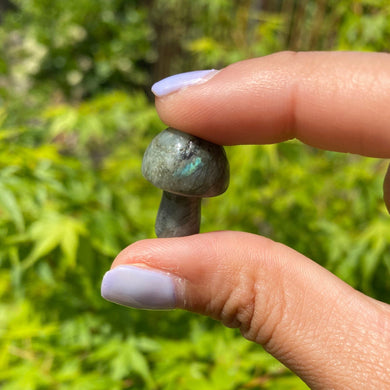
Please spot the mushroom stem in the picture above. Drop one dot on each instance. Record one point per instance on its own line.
(178, 215)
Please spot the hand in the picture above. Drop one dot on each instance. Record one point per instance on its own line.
(329, 334)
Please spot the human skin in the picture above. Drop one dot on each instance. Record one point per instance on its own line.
(329, 334)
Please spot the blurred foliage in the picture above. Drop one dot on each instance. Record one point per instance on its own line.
(75, 117)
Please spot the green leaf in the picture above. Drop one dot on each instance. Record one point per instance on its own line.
(51, 231)
(140, 365)
(9, 203)
(71, 230)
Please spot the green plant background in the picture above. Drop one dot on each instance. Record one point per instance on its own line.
(76, 115)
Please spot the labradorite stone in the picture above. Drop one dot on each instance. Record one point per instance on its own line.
(183, 164)
(178, 215)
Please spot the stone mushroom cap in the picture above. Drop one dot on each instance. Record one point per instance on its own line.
(186, 165)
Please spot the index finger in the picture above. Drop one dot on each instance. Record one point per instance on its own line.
(337, 101)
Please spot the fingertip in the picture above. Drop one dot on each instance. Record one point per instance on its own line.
(325, 99)
(227, 108)
(177, 82)
(277, 297)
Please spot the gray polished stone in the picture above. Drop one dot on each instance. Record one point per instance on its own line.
(188, 167)
(178, 215)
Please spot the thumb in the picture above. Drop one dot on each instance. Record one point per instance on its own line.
(321, 328)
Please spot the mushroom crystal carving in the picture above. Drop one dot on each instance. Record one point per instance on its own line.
(187, 169)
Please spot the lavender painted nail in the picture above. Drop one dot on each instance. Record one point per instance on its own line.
(138, 288)
(181, 80)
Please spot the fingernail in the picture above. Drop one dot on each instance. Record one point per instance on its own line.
(181, 80)
(138, 288)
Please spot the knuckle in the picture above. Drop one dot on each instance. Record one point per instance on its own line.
(257, 304)
(266, 318)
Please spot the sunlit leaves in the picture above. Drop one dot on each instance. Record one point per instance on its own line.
(52, 231)
(218, 360)
(365, 26)
(79, 45)
(9, 205)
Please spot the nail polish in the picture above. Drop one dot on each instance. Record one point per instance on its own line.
(181, 80)
(139, 288)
